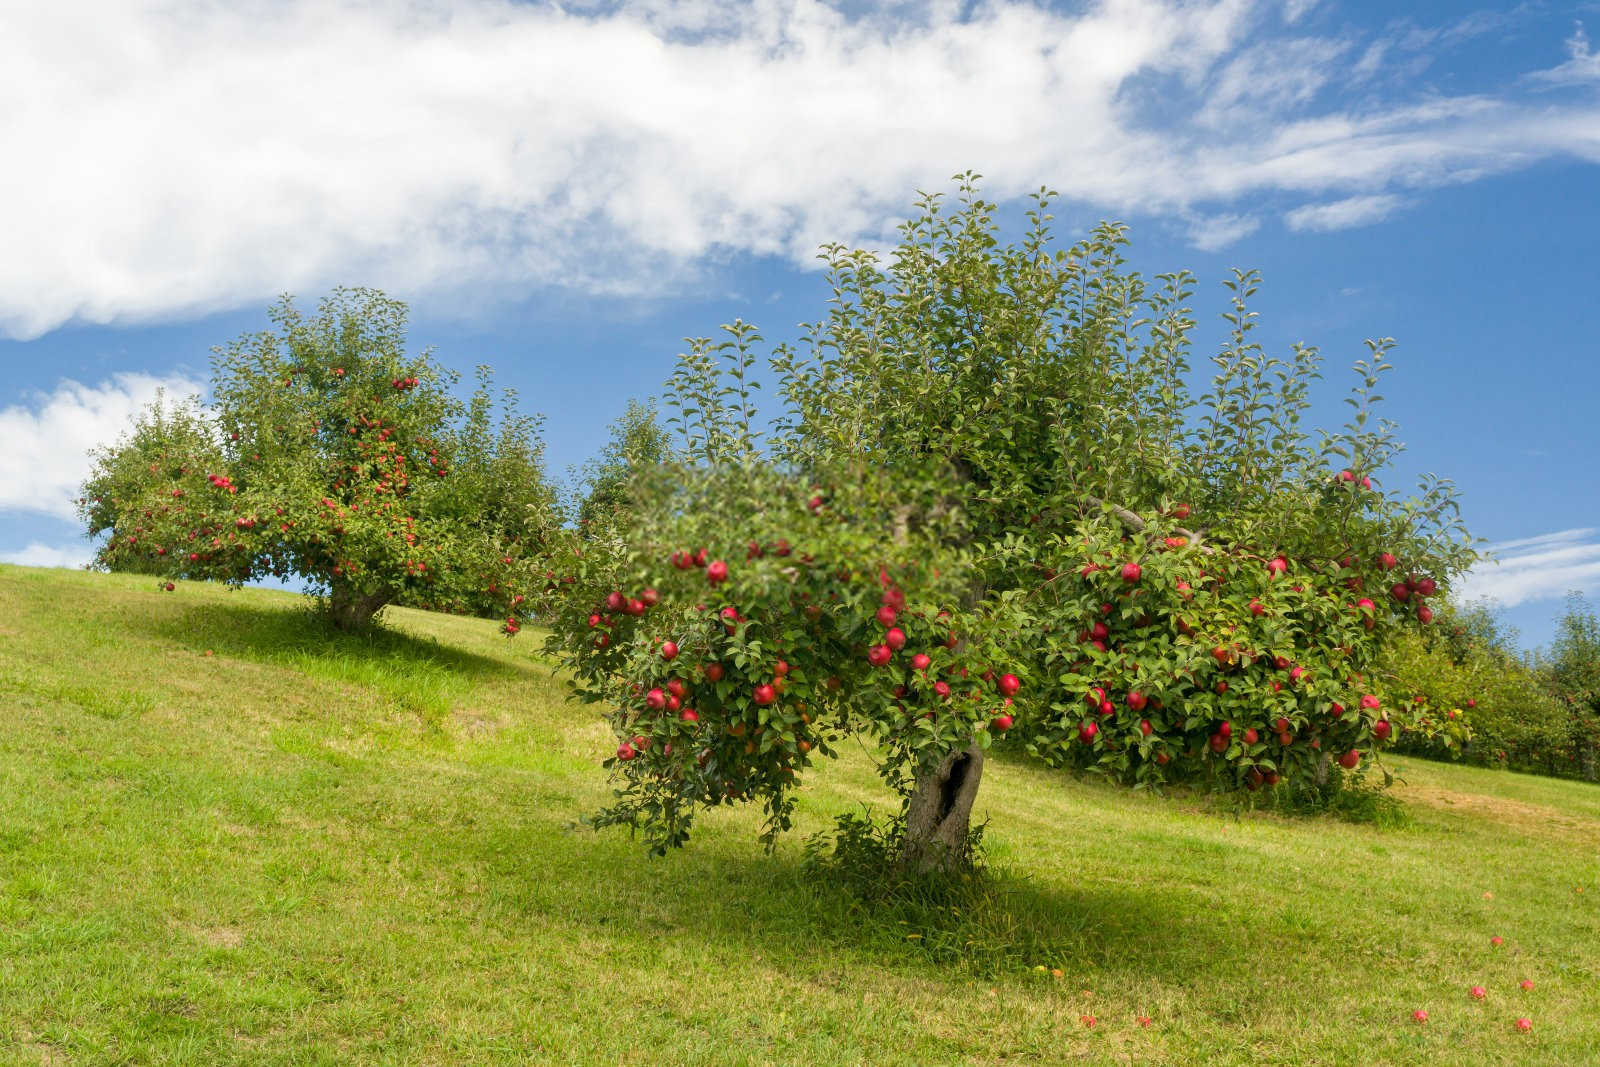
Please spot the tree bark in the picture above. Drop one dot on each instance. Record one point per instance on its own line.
(1320, 776)
(939, 813)
(350, 609)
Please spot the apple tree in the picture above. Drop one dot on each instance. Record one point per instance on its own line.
(993, 510)
(331, 454)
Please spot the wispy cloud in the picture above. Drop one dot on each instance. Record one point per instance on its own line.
(1217, 232)
(45, 441)
(1546, 567)
(38, 554)
(1343, 214)
(1582, 65)
(173, 157)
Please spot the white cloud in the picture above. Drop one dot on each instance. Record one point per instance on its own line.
(45, 441)
(1343, 214)
(1546, 567)
(1582, 65)
(1214, 233)
(175, 157)
(38, 554)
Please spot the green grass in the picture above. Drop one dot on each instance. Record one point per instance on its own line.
(307, 850)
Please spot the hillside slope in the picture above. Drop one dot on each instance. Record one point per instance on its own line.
(226, 837)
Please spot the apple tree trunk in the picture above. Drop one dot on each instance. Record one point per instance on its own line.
(939, 813)
(352, 609)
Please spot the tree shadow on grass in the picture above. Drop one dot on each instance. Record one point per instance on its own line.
(296, 636)
(726, 892)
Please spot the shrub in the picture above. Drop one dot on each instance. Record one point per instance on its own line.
(1488, 704)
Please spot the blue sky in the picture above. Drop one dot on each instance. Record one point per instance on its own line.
(567, 193)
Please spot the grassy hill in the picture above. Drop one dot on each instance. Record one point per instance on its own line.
(226, 838)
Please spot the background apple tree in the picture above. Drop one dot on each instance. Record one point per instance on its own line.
(331, 454)
(995, 508)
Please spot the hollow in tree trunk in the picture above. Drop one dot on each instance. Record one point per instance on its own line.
(353, 609)
(939, 814)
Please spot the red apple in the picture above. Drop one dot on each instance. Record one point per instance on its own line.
(764, 695)
(669, 650)
(1008, 685)
(656, 699)
(920, 662)
(615, 602)
(1381, 729)
(1136, 700)
(1002, 723)
(1350, 759)
(1145, 727)
(716, 572)
(1250, 736)
(1369, 702)
(676, 687)
(1277, 565)
(895, 638)
(887, 615)
(714, 672)
(689, 715)
(880, 655)
(1131, 572)
(1088, 732)
(625, 751)
(1387, 561)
